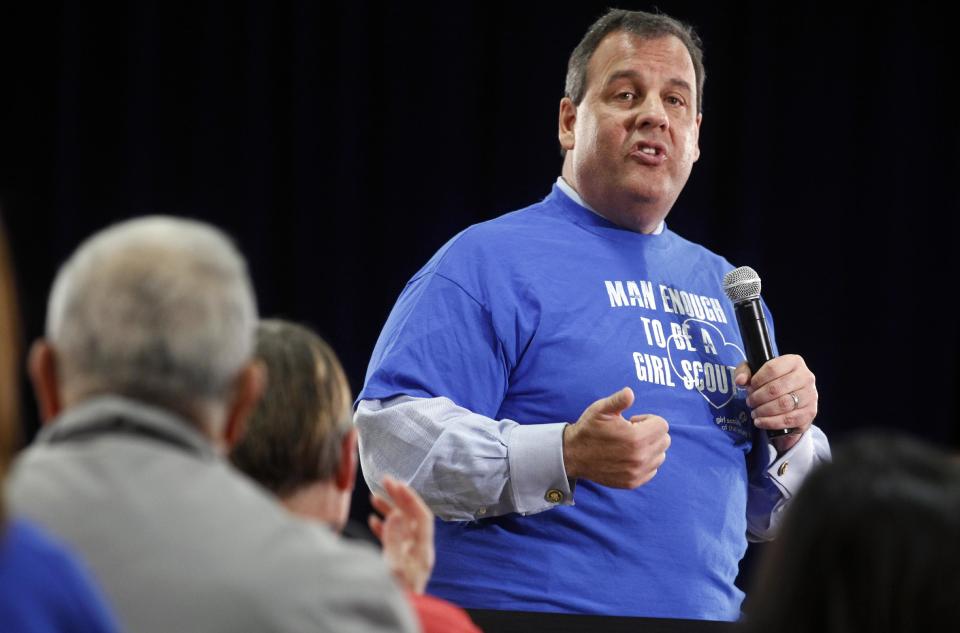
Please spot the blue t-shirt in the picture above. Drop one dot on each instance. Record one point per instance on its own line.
(532, 317)
(44, 588)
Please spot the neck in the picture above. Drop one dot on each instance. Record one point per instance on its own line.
(320, 501)
(637, 215)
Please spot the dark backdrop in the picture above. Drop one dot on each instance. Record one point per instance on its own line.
(341, 143)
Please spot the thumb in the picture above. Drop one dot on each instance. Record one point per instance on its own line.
(742, 374)
(615, 403)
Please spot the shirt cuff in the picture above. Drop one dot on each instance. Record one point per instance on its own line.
(789, 470)
(538, 479)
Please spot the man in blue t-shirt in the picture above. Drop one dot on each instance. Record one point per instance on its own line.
(483, 389)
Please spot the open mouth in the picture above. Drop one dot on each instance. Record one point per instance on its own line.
(649, 153)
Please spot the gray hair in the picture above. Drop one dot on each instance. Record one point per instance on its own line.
(157, 308)
(645, 26)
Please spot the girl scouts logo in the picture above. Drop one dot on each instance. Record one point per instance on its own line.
(702, 359)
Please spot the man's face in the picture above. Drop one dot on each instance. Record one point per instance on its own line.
(633, 139)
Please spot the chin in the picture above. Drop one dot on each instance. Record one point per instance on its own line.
(647, 197)
(646, 185)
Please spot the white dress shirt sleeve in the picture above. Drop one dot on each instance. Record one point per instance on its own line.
(466, 466)
(774, 480)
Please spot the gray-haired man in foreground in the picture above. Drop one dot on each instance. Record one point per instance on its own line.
(144, 380)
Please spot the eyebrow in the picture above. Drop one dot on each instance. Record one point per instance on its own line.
(632, 74)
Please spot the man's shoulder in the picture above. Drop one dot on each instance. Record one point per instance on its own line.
(532, 218)
(155, 497)
(511, 236)
(299, 575)
(702, 253)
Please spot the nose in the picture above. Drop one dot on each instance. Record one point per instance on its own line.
(652, 114)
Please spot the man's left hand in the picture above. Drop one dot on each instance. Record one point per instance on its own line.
(782, 395)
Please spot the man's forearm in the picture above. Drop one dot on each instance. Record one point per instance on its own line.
(465, 466)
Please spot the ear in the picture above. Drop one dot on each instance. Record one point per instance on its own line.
(248, 388)
(346, 474)
(42, 367)
(568, 118)
(696, 138)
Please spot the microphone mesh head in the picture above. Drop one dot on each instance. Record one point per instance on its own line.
(742, 284)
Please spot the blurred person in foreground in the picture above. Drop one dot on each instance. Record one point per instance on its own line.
(871, 544)
(300, 445)
(534, 373)
(144, 381)
(44, 588)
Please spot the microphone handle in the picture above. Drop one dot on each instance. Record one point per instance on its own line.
(756, 342)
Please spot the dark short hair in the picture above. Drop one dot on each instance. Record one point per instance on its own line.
(294, 435)
(870, 543)
(642, 24)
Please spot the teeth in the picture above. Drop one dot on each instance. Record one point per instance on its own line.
(649, 150)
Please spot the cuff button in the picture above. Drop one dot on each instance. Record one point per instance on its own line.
(783, 468)
(554, 496)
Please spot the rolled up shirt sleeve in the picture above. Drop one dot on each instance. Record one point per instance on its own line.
(466, 466)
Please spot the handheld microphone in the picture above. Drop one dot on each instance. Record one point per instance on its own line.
(742, 287)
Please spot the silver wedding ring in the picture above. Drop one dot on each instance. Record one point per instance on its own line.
(796, 400)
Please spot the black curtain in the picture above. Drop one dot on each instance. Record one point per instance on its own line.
(341, 143)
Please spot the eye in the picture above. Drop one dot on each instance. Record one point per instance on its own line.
(626, 96)
(675, 101)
